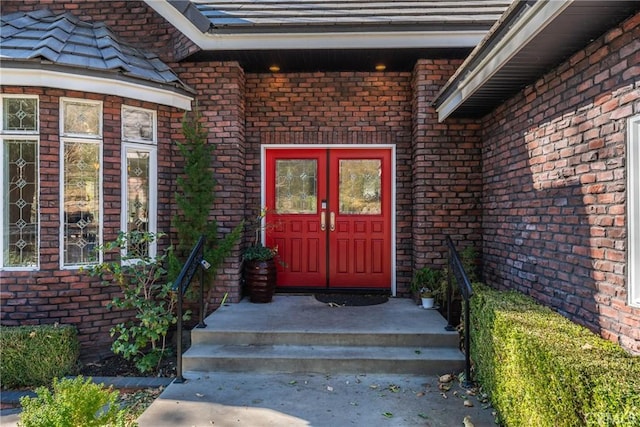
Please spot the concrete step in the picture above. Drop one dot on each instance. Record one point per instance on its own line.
(432, 338)
(322, 359)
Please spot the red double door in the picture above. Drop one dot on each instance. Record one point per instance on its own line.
(329, 214)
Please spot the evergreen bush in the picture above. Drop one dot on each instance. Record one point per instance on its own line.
(73, 402)
(195, 200)
(541, 369)
(35, 355)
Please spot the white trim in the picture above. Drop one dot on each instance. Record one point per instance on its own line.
(633, 210)
(323, 40)
(84, 83)
(532, 22)
(391, 147)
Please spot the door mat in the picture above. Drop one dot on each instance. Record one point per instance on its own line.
(351, 300)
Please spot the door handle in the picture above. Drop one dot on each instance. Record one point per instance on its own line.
(332, 217)
(323, 221)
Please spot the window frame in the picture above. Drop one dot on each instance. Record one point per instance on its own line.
(66, 138)
(151, 147)
(19, 135)
(633, 211)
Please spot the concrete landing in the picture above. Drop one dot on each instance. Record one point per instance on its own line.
(301, 334)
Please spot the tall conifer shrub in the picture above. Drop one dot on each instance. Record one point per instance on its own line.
(195, 200)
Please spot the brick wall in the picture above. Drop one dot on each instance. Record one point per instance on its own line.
(447, 176)
(332, 108)
(554, 186)
(133, 21)
(52, 295)
(220, 99)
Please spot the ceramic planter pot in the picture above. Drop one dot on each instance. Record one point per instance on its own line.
(260, 279)
(427, 302)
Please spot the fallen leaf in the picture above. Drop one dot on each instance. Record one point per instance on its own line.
(468, 403)
(467, 421)
(293, 382)
(446, 378)
(444, 396)
(329, 388)
(388, 414)
(444, 387)
(421, 415)
(420, 393)
(199, 394)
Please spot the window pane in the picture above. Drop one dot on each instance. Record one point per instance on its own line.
(137, 124)
(81, 118)
(360, 187)
(137, 199)
(296, 186)
(21, 204)
(81, 201)
(20, 114)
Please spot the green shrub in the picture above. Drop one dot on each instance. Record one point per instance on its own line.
(35, 355)
(74, 402)
(143, 282)
(541, 369)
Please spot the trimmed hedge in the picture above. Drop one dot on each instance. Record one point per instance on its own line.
(541, 369)
(35, 355)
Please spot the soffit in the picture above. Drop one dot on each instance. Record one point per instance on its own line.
(578, 24)
(323, 35)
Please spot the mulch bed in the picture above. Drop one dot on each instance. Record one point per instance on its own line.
(117, 366)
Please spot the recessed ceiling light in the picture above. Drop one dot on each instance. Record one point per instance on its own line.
(381, 67)
(274, 68)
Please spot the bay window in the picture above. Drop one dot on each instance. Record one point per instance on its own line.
(81, 183)
(139, 177)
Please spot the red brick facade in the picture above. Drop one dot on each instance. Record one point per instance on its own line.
(53, 295)
(539, 184)
(554, 182)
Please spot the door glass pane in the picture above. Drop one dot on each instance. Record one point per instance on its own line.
(81, 201)
(21, 204)
(296, 186)
(137, 199)
(360, 186)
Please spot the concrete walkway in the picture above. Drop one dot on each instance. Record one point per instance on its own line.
(232, 399)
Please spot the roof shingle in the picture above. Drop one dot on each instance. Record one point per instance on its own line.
(66, 40)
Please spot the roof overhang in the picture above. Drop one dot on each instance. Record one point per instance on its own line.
(529, 40)
(25, 73)
(188, 21)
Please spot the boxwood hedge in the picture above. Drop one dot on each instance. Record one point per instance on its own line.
(541, 369)
(35, 355)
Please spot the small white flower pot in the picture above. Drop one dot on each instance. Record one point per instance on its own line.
(427, 302)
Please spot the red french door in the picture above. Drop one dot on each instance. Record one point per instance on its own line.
(329, 214)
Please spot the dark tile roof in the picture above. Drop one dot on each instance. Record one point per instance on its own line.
(65, 40)
(349, 15)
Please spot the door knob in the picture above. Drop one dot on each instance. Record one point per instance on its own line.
(323, 222)
(332, 217)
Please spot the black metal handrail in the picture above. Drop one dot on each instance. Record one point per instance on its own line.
(181, 285)
(457, 270)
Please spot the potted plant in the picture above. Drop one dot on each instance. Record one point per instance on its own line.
(260, 270)
(427, 283)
